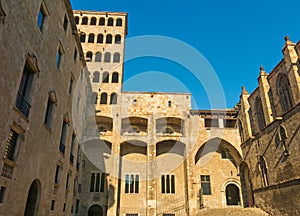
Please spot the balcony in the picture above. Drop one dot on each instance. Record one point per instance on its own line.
(23, 105)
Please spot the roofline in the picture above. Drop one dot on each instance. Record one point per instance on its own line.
(157, 93)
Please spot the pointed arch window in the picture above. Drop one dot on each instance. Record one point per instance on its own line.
(264, 171)
(284, 92)
(259, 113)
(115, 77)
(116, 57)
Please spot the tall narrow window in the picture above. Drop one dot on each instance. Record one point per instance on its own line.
(89, 56)
(2, 193)
(109, 39)
(59, 55)
(259, 113)
(11, 144)
(82, 37)
(52, 205)
(205, 184)
(115, 77)
(107, 57)
(63, 137)
(131, 183)
(105, 77)
(73, 141)
(102, 183)
(41, 18)
(75, 54)
(284, 92)
(168, 184)
(102, 21)
(91, 38)
(119, 22)
(66, 22)
(24, 91)
(77, 20)
(103, 99)
(93, 21)
(49, 112)
(57, 174)
(71, 86)
(98, 57)
(84, 21)
(68, 181)
(96, 76)
(97, 183)
(110, 22)
(100, 38)
(77, 206)
(113, 98)
(118, 39)
(116, 57)
(92, 184)
(264, 171)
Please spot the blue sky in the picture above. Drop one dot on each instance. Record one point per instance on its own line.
(235, 36)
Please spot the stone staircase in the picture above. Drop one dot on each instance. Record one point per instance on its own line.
(236, 211)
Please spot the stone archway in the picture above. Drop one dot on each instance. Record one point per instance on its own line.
(32, 199)
(95, 210)
(232, 195)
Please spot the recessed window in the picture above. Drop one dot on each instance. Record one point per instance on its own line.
(77, 206)
(77, 20)
(102, 21)
(89, 56)
(93, 21)
(134, 102)
(58, 58)
(82, 37)
(63, 137)
(105, 77)
(119, 22)
(41, 17)
(100, 38)
(91, 38)
(97, 183)
(71, 86)
(24, 91)
(57, 174)
(66, 22)
(73, 142)
(68, 181)
(109, 39)
(75, 54)
(96, 76)
(205, 184)
(116, 58)
(2, 193)
(115, 77)
(11, 145)
(64, 209)
(98, 57)
(52, 205)
(118, 39)
(107, 57)
(259, 113)
(113, 98)
(110, 22)
(132, 183)
(49, 112)
(168, 184)
(84, 21)
(284, 92)
(169, 103)
(103, 99)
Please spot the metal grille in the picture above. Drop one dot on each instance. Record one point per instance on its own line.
(11, 145)
(7, 170)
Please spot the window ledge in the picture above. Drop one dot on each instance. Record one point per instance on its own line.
(49, 129)
(9, 162)
(20, 114)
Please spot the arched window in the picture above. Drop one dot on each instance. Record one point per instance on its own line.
(107, 57)
(77, 20)
(89, 56)
(264, 170)
(84, 21)
(119, 22)
(93, 21)
(116, 58)
(91, 38)
(100, 38)
(102, 21)
(115, 77)
(98, 57)
(109, 39)
(284, 92)
(113, 98)
(259, 113)
(105, 77)
(82, 37)
(103, 99)
(96, 76)
(110, 22)
(118, 39)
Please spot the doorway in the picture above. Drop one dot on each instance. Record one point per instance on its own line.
(232, 195)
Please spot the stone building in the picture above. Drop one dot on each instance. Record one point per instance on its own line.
(269, 128)
(41, 61)
(149, 153)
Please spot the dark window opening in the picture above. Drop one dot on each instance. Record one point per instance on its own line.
(11, 144)
(109, 39)
(103, 99)
(84, 21)
(115, 77)
(102, 21)
(168, 184)
(110, 22)
(91, 38)
(105, 77)
(66, 22)
(113, 98)
(100, 38)
(119, 22)
(93, 21)
(205, 184)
